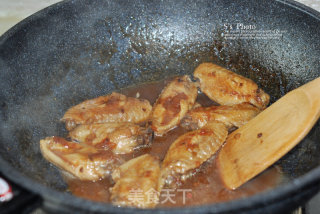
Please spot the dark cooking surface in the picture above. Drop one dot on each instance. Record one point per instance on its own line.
(82, 49)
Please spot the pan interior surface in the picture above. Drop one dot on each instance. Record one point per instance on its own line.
(77, 50)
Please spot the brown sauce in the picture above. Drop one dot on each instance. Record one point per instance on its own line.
(204, 187)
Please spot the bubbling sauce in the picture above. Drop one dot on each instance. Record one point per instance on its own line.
(205, 187)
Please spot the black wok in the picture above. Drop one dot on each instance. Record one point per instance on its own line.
(76, 50)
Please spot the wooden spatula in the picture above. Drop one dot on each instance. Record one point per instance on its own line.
(270, 135)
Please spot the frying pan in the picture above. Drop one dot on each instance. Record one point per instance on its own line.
(81, 49)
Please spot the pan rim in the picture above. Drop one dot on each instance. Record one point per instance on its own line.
(48, 193)
(64, 198)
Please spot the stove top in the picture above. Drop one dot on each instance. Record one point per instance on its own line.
(24, 201)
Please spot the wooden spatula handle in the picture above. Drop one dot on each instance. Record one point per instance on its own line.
(312, 90)
(270, 135)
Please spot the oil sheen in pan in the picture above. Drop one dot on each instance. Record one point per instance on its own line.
(204, 187)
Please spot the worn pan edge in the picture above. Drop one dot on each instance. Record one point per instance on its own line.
(294, 186)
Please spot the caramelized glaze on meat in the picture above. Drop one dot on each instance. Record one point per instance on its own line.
(189, 151)
(232, 116)
(121, 138)
(111, 108)
(206, 185)
(176, 99)
(136, 183)
(81, 160)
(228, 88)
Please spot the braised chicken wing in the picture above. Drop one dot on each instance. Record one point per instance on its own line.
(83, 161)
(176, 99)
(111, 108)
(228, 88)
(136, 183)
(232, 116)
(189, 151)
(121, 138)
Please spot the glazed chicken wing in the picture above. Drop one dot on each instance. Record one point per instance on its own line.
(81, 160)
(189, 151)
(228, 88)
(136, 183)
(111, 108)
(176, 99)
(232, 116)
(121, 138)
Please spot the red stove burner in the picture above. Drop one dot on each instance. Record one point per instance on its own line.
(5, 191)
